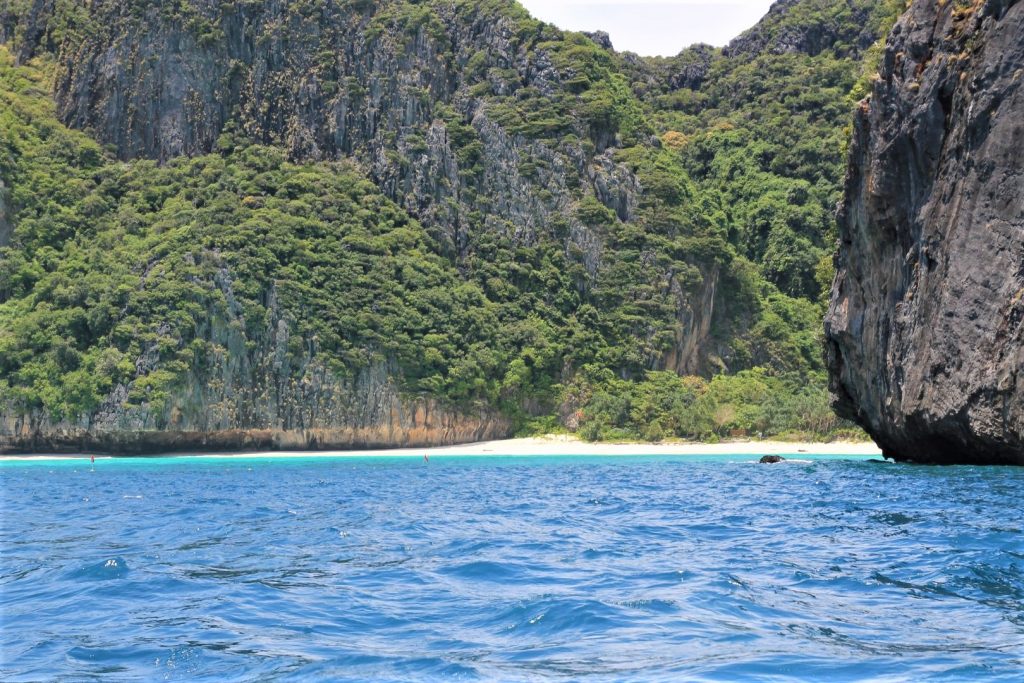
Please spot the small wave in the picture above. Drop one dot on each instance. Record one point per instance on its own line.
(627, 571)
(666, 578)
(108, 570)
(599, 553)
(486, 571)
(655, 605)
(550, 616)
(364, 666)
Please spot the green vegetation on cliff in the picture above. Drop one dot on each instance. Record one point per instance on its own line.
(542, 229)
(112, 260)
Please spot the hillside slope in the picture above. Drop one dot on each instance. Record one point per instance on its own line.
(322, 224)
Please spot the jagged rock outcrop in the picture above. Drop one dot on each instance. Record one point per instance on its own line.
(366, 415)
(252, 394)
(691, 67)
(778, 33)
(601, 38)
(926, 327)
(338, 80)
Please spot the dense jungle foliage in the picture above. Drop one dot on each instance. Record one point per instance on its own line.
(739, 154)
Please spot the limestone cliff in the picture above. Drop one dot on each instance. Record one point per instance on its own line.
(407, 222)
(249, 391)
(375, 81)
(926, 326)
(778, 33)
(409, 92)
(370, 414)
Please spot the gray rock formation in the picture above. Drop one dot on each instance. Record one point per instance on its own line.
(690, 68)
(778, 32)
(601, 38)
(243, 399)
(349, 420)
(338, 81)
(926, 327)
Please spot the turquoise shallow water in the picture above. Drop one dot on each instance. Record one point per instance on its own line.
(541, 569)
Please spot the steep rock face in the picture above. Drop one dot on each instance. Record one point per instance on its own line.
(410, 95)
(334, 81)
(691, 67)
(926, 326)
(777, 35)
(330, 416)
(423, 96)
(413, 97)
(245, 396)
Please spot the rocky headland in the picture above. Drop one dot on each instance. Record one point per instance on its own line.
(925, 332)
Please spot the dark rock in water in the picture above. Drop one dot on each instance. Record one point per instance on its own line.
(772, 459)
(926, 326)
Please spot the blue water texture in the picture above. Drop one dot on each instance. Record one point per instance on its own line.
(510, 569)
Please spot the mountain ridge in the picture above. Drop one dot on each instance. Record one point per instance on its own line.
(566, 200)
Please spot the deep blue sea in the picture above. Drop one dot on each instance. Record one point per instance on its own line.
(540, 569)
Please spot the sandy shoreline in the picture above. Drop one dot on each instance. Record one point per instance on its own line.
(552, 445)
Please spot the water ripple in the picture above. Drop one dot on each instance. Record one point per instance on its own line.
(510, 569)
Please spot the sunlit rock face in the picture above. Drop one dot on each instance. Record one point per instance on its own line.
(925, 333)
(246, 411)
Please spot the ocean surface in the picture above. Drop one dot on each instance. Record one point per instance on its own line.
(540, 569)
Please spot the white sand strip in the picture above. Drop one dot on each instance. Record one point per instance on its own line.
(559, 446)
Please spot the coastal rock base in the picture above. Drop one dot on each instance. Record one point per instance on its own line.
(442, 430)
(157, 442)
(244, 414)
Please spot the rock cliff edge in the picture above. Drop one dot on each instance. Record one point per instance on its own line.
(925, 333)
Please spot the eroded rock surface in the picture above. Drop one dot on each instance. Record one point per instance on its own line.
(241, 398)
(926, 326)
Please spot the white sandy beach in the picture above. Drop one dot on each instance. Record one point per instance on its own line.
(563, 446)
